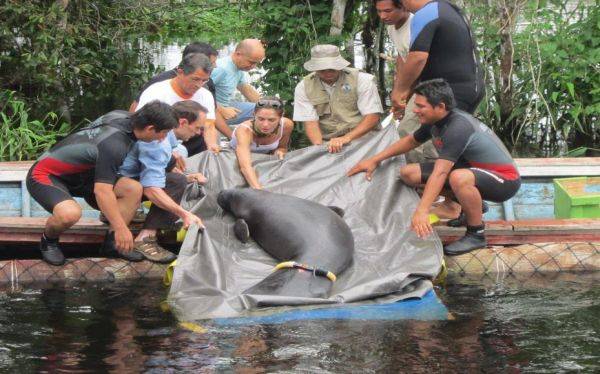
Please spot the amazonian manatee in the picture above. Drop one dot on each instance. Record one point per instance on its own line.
(292, 229)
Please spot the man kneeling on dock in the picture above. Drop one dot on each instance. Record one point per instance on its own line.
(473, 163)
(163, 182)
(85, 164)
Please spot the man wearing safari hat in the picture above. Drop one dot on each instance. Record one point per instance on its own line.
(337, 103)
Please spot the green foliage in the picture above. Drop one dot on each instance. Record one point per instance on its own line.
(77, 60)
(22, 137)
(553, 95)
(91, 57)
(219, 22)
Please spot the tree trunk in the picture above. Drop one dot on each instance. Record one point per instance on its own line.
(368, 37)
(337, 17)
(508, 11)
(63, 105)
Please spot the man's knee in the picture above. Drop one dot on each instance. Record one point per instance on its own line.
(461, 178)
(130, 188)
(67, 213)
(411, 174)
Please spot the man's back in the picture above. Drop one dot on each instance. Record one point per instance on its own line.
(93, 153)
(440, 30)
(226, 77)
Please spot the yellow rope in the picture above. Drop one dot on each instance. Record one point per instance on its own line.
(294, 265)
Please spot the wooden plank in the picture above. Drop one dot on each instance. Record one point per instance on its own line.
(37, 223)
(559, 167)
(67, 237)
(14, 171)
(583, 224)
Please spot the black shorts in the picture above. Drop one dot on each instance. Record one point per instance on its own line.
(491, 186)
(49, 190)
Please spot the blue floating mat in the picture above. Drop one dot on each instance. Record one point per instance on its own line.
(428, 308)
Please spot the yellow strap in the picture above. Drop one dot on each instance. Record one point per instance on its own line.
(293, 264)
(284, 265)
(168, 277)
(194, 327)
(331, 276)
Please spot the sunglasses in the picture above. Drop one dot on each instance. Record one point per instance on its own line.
(276, 104)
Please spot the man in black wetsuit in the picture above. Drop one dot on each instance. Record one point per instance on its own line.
(473, 163)
(85, 164)
(441, 46)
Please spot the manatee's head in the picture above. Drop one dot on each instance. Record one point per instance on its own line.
(236, 200)
(225, 198)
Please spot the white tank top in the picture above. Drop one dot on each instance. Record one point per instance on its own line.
(258, 148)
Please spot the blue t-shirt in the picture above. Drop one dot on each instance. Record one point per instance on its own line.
(226, 77)
(148, 161)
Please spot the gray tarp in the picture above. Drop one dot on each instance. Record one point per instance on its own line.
(214, 267)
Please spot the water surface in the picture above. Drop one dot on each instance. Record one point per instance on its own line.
(531, 324)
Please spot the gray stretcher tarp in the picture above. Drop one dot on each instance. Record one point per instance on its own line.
(390, 263)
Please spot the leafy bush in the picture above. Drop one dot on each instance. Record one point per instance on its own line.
(546, 96)
(22, 137)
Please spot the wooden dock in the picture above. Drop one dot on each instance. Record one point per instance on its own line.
(25, 230)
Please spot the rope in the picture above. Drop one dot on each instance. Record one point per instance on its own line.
(316, 271)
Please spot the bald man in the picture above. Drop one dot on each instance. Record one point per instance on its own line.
(231, 74)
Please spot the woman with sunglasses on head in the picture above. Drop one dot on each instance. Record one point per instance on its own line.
(269, 133)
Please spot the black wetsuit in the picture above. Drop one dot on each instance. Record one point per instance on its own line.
(91, 155)
(196, 143)
(461, 138)
(440, 30)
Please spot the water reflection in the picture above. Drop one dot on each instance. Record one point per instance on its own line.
(530, 323)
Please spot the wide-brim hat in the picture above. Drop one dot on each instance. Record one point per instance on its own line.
(325, 56)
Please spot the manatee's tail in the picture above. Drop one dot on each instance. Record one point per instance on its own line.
(293, 283)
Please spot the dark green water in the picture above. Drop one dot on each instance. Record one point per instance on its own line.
(531, 324)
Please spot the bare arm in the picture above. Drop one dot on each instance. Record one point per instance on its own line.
(400, 147)
(159, 197)
(369, 165)
(107, 202)
(133, 106)
(243, 153)
(288, 127)
(420, 221)
(249, 92)
(313, 132)
(406, 76)
(211, 137)
(221, 125)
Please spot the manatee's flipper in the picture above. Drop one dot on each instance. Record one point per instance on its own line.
(339, 211)
(241, 230)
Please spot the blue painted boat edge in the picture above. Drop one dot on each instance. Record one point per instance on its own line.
(428, 308)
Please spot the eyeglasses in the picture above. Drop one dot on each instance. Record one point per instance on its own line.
(264, 103)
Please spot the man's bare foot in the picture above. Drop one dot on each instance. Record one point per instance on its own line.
(446, 209)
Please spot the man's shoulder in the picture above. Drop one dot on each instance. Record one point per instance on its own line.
(165, 75)
(365, 76)
(427, 13)
(160, 84)
(460, 120)
(226, 65)
(203, 96)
